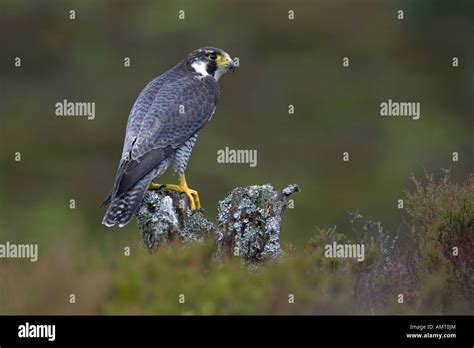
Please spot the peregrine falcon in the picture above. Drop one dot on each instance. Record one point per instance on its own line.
(162, 129)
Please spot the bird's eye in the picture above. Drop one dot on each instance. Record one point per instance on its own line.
(212, 56)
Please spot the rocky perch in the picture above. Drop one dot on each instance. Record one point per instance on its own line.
(248, 221)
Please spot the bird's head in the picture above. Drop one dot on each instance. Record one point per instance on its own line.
(210, 61)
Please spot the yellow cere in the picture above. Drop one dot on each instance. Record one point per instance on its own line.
(221, 61)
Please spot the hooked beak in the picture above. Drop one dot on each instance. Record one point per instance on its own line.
(231, 65)
(228, 63)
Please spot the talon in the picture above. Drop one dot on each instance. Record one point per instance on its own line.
(191, 200)
(197, 200)
(193, 196)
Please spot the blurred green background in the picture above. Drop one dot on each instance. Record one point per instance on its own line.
(282, 62)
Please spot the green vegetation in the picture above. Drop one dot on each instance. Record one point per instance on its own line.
(442, 214)
(422, 267)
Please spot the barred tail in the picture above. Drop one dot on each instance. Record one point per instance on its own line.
(123, 207)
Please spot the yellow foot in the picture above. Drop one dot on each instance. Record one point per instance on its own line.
(193, 195)
(154, 186)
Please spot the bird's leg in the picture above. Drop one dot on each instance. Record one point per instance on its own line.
(183, 187)
(192, 194)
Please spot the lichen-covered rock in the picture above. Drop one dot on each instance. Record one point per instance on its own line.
(249, 222)
(163, 216)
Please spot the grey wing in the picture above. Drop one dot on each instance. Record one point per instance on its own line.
(179, 111)
(139, 111)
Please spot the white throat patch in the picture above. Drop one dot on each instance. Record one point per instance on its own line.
(219, 73)
(200, 67)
